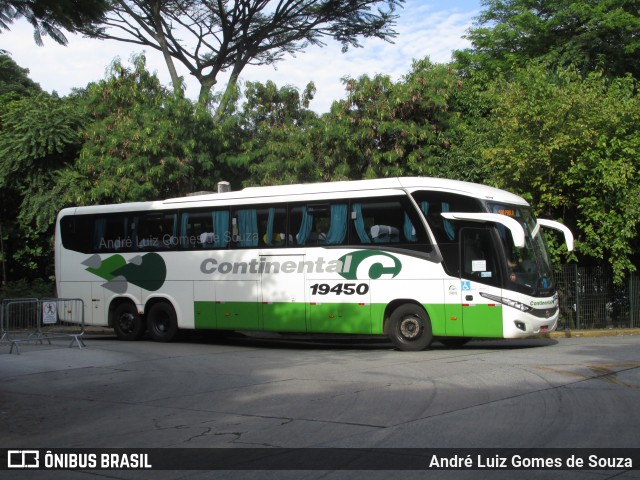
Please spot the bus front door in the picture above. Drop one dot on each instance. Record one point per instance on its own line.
(479, 274)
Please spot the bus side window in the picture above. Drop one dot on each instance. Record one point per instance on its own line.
(221, 233)
(390, 220)
(319, 224)
(359, 223)
(338, 225)
(272, 227)
(111, 233)
(196, 230)
(244, 228)
(301, 219)
(76, 232)
(433, 204)
(203, 229)
(155, 231)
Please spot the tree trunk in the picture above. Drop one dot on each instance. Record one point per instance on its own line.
(162, 41)
(206, 85)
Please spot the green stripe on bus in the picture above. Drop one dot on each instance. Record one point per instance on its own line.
(363, 319)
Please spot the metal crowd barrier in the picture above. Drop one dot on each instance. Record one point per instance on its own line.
(32, 320)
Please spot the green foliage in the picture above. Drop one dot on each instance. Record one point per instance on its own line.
(22, 288)
(588, 34)
(142, 142)
(388, 129)
(276, 128)
(382, 129)
(38, 135)
(571, 146)
(14, 80)
(48, 16)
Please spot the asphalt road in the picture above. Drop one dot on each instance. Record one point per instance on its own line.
(247, 392)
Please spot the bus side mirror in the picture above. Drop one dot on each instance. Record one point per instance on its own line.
(568, 236)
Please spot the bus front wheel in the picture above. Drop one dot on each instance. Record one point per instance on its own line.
(127, 322)
(162, 322)
(409, 328)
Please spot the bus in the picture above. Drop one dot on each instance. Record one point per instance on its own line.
(412, 258)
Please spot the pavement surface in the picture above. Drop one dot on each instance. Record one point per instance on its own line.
(580, 391)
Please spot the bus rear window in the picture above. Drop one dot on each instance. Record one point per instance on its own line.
(75, 233)
(119, 232)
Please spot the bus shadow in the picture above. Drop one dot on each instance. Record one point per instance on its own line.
(346, 342)
(268, 340)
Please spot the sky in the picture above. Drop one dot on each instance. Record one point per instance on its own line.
(426, 28)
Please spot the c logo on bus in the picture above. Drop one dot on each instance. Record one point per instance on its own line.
(147, 271)
(372, 264)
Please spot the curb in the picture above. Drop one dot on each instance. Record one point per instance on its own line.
(607, 332)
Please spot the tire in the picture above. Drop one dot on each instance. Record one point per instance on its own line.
(409, 328)
(162, 322)
(454, 342)
(127, 322)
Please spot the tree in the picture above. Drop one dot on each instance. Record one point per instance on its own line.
(388, 129)
(209, 37)
(275, 127)
(570, 145)
(15, 84)
(48, 17)
(141, 143)
(38, 134)
(14, 80)
(588, 34)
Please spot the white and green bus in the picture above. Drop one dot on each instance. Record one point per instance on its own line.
(415, 259)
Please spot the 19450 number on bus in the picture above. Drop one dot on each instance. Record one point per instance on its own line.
(340, 289)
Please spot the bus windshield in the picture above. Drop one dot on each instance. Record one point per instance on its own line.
(529, 267)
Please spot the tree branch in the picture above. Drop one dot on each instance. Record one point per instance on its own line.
(224, 34)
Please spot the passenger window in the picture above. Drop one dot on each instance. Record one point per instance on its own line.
(386, 221)
(76, 232)
(111, 233)
(154, 231)
(272, 227)
(433, 204)
(319, 224)
(204, 229)
(196, 230)
(244, 228)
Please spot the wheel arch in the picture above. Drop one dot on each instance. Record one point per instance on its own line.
(115, 302)
(151, 301)
(391, 306)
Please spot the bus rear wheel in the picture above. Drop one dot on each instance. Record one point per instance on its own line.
(409, 328)
(162, 322)
(127, 322)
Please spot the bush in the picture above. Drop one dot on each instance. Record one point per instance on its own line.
(38, 288)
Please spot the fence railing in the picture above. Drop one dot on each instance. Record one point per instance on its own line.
(590, 300)
(31, 320)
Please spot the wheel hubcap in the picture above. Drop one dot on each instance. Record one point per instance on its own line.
(410, 328)
(162, 324)
(126, 322)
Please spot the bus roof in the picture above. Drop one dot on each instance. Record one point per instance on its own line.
(306, 191)
(409, 183)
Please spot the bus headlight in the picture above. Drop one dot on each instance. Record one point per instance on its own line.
(507, 301)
